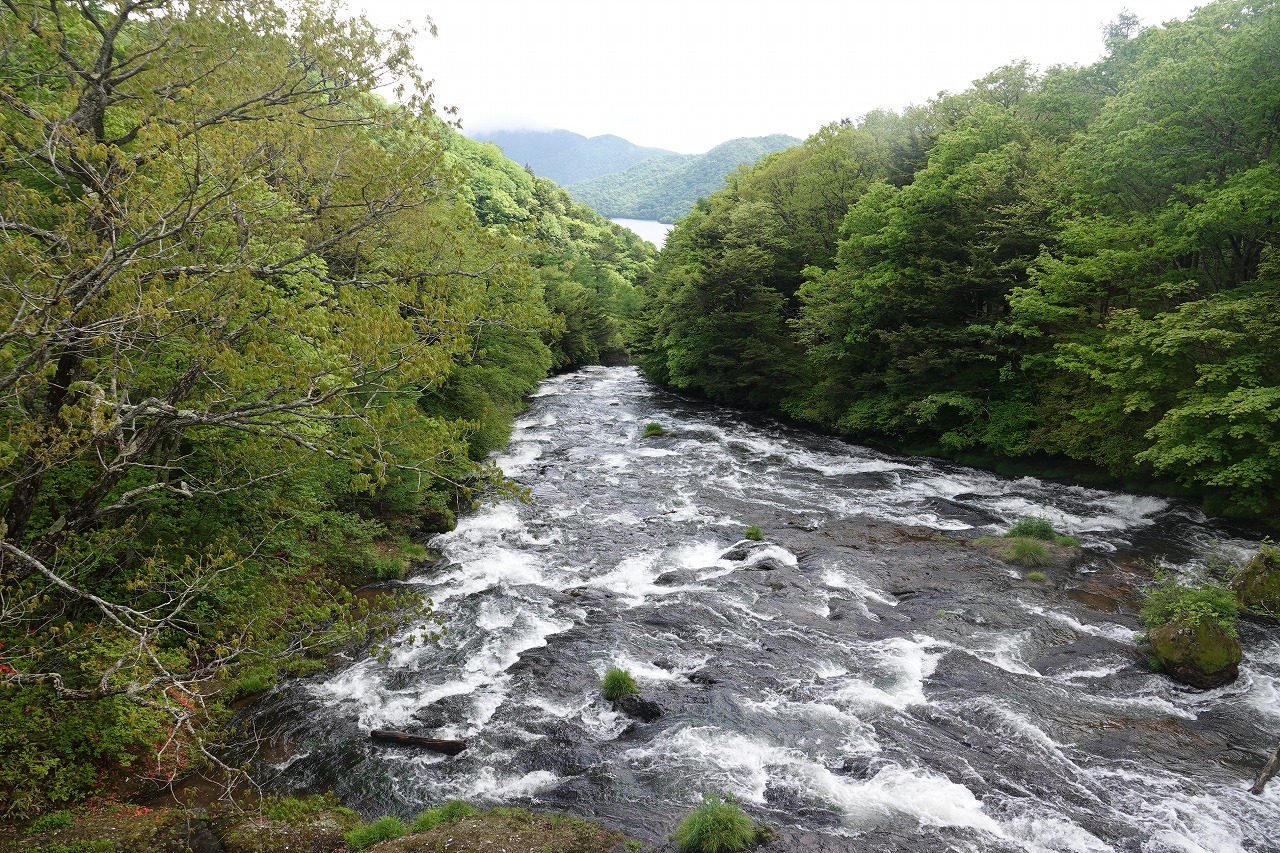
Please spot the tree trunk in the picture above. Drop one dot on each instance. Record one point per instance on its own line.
(1267, 772)
(448, 747)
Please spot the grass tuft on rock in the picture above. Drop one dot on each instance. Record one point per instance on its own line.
(451, 811)
(755, 534)
(618, 683)
(1026, 551)
(653, 429)
(717, 826)
(382, 829)
(1041, 528)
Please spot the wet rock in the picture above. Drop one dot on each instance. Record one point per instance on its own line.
(1257, 585)
(638, 707)
(1201, 655)
(1082, 653)
(446, 711)
(742, 550)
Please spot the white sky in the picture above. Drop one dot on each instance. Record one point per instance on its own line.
(690, 74)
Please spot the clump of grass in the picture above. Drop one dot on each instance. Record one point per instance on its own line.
(60, 819)
(618, 683)
(755, 534)
(1041, 528)
(716, 826)
(296, 810)
(451, 811)
(1033, 527)
(382, 829)
(653, 429)
(1026, 551)
(1038, 577)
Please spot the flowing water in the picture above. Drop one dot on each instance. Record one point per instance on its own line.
(867, 678)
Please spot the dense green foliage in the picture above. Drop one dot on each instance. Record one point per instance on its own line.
(260, 326)
(717, 826)
(1082, 264)
(567, 157)
(618, 683)
(1190, 603)
(667, 186)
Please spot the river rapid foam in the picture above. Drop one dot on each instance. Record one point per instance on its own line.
(865, 678)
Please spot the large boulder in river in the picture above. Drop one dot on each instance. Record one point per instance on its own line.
(1257, 585)
(1201, 654)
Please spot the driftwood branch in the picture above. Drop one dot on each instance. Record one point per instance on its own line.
(1267, 772)
(448, 747)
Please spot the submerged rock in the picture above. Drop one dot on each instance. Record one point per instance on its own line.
(1202, 655)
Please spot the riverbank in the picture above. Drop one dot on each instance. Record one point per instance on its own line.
(315, 825)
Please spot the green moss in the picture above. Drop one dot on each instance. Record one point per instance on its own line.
(59, 819)
(618, 683)
(1203, 646)
(1257, 584)
(1038, 577)
(653, 429)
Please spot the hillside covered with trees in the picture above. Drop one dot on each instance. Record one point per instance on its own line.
(1081, 264)
(567, 157)
(259, 324)
(667, 186)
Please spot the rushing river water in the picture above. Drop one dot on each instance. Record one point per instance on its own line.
(865, 679)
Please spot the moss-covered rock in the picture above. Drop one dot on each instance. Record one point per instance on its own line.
(1203, 655)
(509, 829)
(316, 833)
(1257, 585)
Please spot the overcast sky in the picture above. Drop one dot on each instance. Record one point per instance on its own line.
(689, 74)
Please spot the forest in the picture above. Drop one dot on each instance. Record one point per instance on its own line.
(261, 326)
(665, 187)
(1076, 270)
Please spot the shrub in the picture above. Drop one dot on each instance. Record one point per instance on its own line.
(1026, 552)
(653, 429)
(60, 819)
(448, 813)
(716, 826)
(382, 829)
(1038, 577)
(755, 534)
(618, 683)
(1190, 602)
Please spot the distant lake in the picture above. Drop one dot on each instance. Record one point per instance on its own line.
(654, 232)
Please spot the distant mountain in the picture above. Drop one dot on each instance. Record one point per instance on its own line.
(667, 186)
(566, 157)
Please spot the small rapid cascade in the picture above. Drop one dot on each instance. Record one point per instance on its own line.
(865, 676)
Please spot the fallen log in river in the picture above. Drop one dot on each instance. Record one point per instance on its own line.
(448, 747)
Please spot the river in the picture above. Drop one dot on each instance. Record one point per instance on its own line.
(865, 679)
(651, 230)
